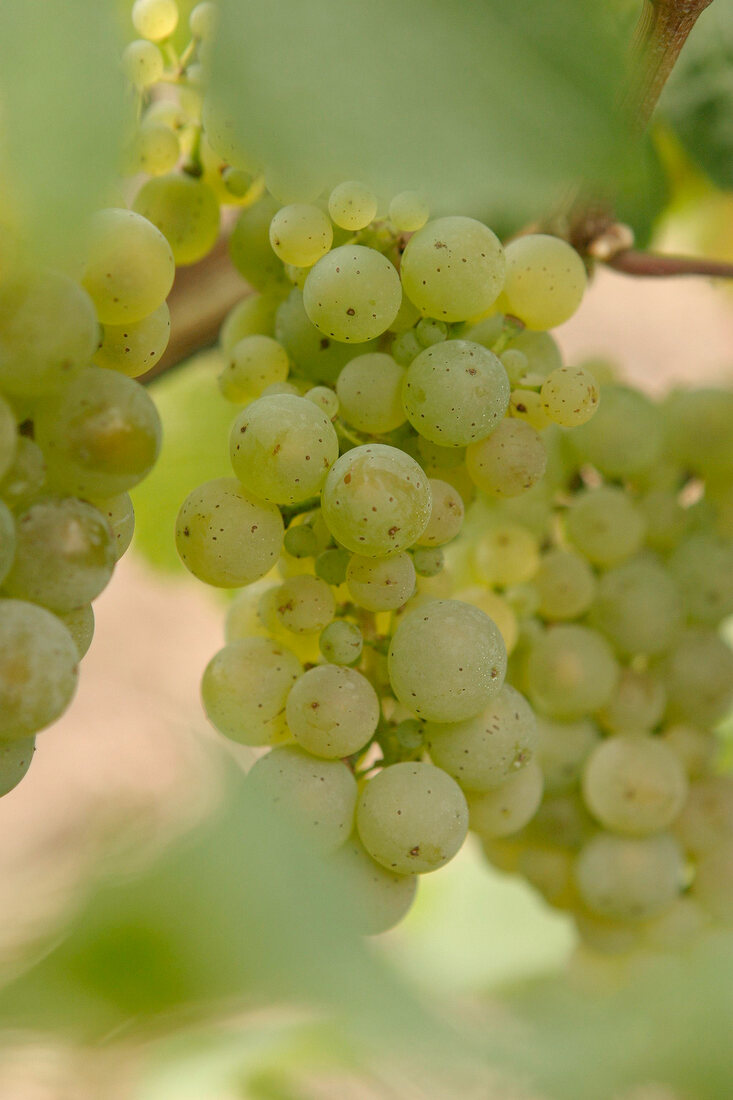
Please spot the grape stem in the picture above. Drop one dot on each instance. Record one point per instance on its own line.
(633, 262)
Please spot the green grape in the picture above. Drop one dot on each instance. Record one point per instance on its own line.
(703, 568)
(48, 332)
(429, 331)
(15, 760)
(455, 393)
(570, 396)
(380, 897)
(453, 268)
(156, 148)
(706, 819)
(352, 205)
(244, 689)
(405, 348)
(486, 332)
(26, 475)
(548, 870)
(624, 437)
(315, 355)
(481, 752)
(679, 925)
(508, 808)
(506, 554)
(332, 711)
(407, 317)
(665, 518)
(527, 405)
(570, 671)
(542, 354)
(695, 747)
(605, 525)
(318, 796)
(7, 540)
(251, 252)
(120, 515)
(226, 537)
(134, 348)
(697, 674)
(341, 642)
(563, 822)
(300, 234)
(516, 365)
(714, 882)
(301, 541)
(629, 878)
(638, 607)
(238, 183)
(697, 424)
(563, 748)
(304, 604)
(252, 316)
(565, 583)
(169, 112)
(381, 584)
(369, 390)
(9, 440)
(428, 560)
(412, 817)
(243, 618)
(376, 500)
(545, 280)
(129, 267)
(352, 294)
(142, 63)
(324, 399)
(38, 669)
(637, 703)
(80, 624)
(606, 936)
(155, 19)
(64, 554)
(100, 436)
(282, 447)
(446, 518)
(203, 20)
(408, 211)
(433, 456)
(186, 212)
(331, 565)
(447, 659)
(509, 461)
(634, 784)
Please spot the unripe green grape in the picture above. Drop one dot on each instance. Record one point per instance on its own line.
(486, 332)
(565, 583)
(605, 525)
(570, 396)
(341, 642)
(100, 435)
(225, 537)
(697, 674)
(300, 541)
(352, 205)
(282, 448)
(332, 711)
(629, 878)
(25, 476)
(510, 461)
(481, 752)
(155, 19)
(186, 212)
(80, 624)
(624, 437)
(324, 399)
(9, 439)
(300, 234)
(244, 689)
(7, 540)
(703, 568)
(64, 554)
(251, 252)
(243, 619)
(548, 870)
(428, 560)
(120, 515)
(665, 518)
(352, 294)
(407, 317)
(381, 898)
(304, 604)
(135, 347)
(542, 354)
(545, 280)
(697, 425)
(506, 554)
(562, 751)
(252, 316)
(453, 268)
(202, 21)
(706, 819)
(433, 456)
(447, 660)
(318, 796)
(169, 112)
(381, 584)
(15, 760)
(331, 565)
(405, 348)
(412, 817)
(238, 182)
(634, 784)
(508, 808)
(369, 390)
(156, 149)
(696, 748)
(254, 363)
(408, 211)
(638, 607)
(527, 405)
(563, 821)
(318, 357)
(142, 63)
(38, 669)
(429, 331)
(571, 671)
(129, 266)
(48, 333)
(446, 517)
(637, 704)
(376, 500)
(455, 393)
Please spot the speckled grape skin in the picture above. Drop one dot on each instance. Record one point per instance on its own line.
(38, 668)
(508, 808)
(453, 268)
(332, 711)
(244, 689)
(185, 210)
(509, 461)
(130, 266)
(15, 760)
(376, 500)
(352, 294)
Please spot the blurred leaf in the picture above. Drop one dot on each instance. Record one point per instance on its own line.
(61, 113)
(490, 107)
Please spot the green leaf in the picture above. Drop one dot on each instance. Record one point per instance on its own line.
(490, 107)
(61, 115)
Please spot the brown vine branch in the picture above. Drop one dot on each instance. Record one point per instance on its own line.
(633, 262)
